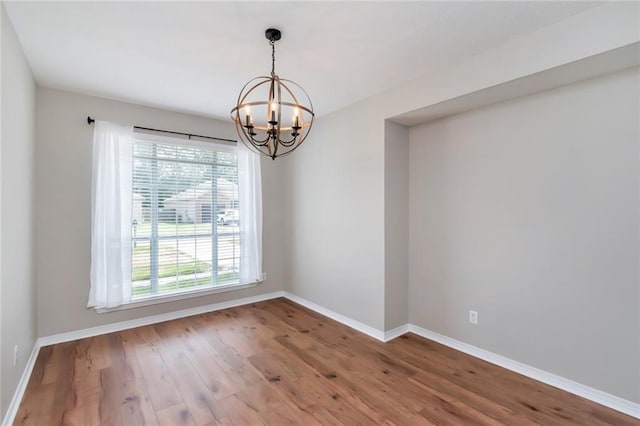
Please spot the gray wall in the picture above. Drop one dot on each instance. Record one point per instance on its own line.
(17, 281)
(396, 224)
(63, 201)
(335, 193)
(335, 214)
(527, 212)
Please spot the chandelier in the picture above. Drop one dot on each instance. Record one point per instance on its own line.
(273, 116)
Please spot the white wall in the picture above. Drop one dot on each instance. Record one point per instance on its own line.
(17, 281)
(63, 204)
(528, 212)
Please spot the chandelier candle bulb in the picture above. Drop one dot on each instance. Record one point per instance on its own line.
(295, 117)
(247, 111)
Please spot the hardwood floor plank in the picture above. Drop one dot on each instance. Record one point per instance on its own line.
(137, 408)
(485, 380)
(215, 377)
(42, 360)
(87, 391)
(240, 411)
(480, 403)
(175, 415)
(210, 372)
(273, 408)
(36, 404)
(339, 379)
(225, 355)
(279, 363)
(62, 373)
(129, 341)
(195, 393)
(160, 384)
(286, 373)
(109, 409)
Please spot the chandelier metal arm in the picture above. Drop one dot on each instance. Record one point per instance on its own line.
(262, 142)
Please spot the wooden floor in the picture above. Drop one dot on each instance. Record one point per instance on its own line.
(278, 363)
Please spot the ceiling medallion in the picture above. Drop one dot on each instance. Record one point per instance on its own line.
(273, 115)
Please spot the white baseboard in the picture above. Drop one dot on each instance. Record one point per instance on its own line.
(600, 397)
(396, 332)
(357, 325)
(154, 319)
(10, 415)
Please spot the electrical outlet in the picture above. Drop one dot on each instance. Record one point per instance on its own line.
(473, 317)
(264, 276)
(15, 355)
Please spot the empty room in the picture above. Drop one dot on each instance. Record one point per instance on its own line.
(320, 213)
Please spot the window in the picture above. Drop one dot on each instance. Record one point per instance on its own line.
(170, 216)
(177, 244)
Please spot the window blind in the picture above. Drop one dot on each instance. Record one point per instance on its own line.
(185, 217)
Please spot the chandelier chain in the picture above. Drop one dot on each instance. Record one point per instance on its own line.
(273, 57)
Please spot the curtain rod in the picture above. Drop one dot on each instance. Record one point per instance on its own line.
(190, 135)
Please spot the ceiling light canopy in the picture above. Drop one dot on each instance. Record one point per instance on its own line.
(273, 115)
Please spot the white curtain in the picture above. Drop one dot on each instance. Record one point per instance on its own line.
(111, 197)
(250, 200)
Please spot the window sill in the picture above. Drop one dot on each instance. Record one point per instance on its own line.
(172, 297)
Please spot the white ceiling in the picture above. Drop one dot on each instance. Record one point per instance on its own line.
(196, 56)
